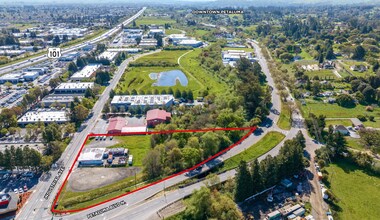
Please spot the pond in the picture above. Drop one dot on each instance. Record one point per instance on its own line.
(169, 78)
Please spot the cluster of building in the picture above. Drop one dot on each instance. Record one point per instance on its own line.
(287, 212)
(108, 55)
(27, 75)
(183, 40)
(230, 57)
(104, 157)
(137, 37)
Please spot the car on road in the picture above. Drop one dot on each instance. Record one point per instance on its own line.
(15, 191)
(20, 190)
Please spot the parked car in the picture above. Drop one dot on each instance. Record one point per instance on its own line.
(15, 191)
(20, 190)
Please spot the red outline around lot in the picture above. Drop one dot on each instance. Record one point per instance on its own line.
(251, 130)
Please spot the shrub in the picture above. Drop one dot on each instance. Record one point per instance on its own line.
(361, 118)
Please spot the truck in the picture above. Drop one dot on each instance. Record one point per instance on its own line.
(130, 160)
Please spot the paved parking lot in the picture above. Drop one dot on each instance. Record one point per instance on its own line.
(10, 182)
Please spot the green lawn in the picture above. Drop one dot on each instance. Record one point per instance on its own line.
(334, 110)
(322, 74)
(354, 143)
(357, 192)
(344, 122)
(138, 146)
(284, 122)
(172, 31)
(190, 66)
(154, 20)
(348, 63)
(373, 124)
(268, 142)
(170, 56)
(305, 55)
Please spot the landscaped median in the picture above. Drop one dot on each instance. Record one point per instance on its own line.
(269, 141)
(284, 122)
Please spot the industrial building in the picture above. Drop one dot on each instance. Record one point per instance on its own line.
(72, 88)
(43, 116)
(189, 43)
(40, 70)
(91, 157)
(63, 99)
(157, 116)
(155, 31)
(30, 76)
(128, 101)
(108, 55)
(133, 33)
(230, 57)
(116, 125)
(11, 77)
(177, 37)
(85, 73)
(69, 56)
(148, 42)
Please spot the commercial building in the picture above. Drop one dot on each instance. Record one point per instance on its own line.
(128, 101)
(11, 77)
(108, 55)
(133, 33)
(85, 73)
(88, 47)
(73, 88)
(30, 76)
(69, 56)
(177, 37)
(148, 42)
(59, 99)
(43, 116)
(12, 52)
(190, 43)
(230, 57)
(116, 125)
(91, 157)
(128, 50)
(155, 31)
(157, 116)
(40, 70)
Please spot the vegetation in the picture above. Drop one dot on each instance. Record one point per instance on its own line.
(285, 120)
(355, 190)
(264, 145)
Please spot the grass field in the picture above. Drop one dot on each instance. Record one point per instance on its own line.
(172, 31)
(335, 111)
(284, 122)
(348, 63)
(190, 66)
(170, 56)
(154, 20)
(268, 142)
(354, 143)
(138, 146)
(357, 191)
(305, 55)
(322, 74)
(344, 122)
(373, 124)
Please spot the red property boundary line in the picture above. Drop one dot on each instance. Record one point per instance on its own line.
(53, 210)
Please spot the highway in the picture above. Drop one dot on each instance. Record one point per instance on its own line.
(75, 47)
(39, 208)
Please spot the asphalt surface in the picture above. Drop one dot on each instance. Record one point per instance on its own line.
(41, 58)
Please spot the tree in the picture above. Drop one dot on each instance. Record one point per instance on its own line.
(359, 53)
(330, 54)
(55, 149)
(89, 93)
(102, 77)
(210, 143)
(177, 94)
(81, 62)
(243, 182)
(190, 95)
(52, 132)
(72, 67)
(369, 93)
(256, 177)
(46, 162)
(80, 113)
(345, 100)
(56, 41)
(152, 165)
(191, 156)
(199, 204)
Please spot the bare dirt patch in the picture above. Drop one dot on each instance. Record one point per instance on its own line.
(85, 179)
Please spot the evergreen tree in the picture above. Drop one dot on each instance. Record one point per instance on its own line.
(256, 177)
(243, 182)
(177, 94)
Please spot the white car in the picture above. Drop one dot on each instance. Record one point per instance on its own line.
(15, 191)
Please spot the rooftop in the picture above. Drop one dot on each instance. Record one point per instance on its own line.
(44, 116)
(78, 85)
(157, 114)
(86, 72)
(116, 123)
(142, 99)
(91, 154)
(108, 55)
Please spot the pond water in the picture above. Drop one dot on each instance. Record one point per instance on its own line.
(169, 78)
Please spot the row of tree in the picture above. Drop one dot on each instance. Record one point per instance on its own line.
(271, 170)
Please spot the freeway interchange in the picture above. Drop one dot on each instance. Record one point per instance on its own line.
(144, 203)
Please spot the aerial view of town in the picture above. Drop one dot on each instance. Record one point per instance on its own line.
(190, 110)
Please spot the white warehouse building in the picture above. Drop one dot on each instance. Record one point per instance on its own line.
(86, 73)
(77, 87)
(43, 116)
(142, 100)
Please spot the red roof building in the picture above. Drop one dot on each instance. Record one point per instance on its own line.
(157, 116)
(116, 125)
